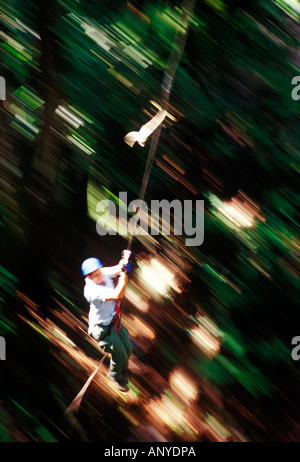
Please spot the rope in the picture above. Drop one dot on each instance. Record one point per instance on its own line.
(74, 406)
(166, 87)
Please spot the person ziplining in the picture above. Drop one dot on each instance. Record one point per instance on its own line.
(104, 316)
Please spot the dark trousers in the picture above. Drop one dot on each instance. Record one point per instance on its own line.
(118, 344)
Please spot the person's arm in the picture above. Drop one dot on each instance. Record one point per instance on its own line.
(115, 270)
(99, 292)
(118, 292)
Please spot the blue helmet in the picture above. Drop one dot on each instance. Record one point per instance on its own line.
(90, 265)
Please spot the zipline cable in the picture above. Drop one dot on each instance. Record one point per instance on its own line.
(166, 88)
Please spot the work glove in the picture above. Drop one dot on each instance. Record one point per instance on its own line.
(127, 267)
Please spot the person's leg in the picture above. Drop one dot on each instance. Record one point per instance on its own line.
(118, 345)
(126, 340)
(118, 355)
(128, 347)
(102, 335)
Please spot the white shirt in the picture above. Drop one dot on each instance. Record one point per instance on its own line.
(101, 311)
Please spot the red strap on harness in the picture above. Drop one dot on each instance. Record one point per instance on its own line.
(117, 324)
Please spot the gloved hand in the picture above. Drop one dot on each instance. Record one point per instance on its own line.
(127, 267)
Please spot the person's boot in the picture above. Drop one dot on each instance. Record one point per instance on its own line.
(121, 385)
(125, 375)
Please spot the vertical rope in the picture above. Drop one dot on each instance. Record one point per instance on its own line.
(166, 88)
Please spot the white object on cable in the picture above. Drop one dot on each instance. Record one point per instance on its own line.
(146, 130)
(126, 255)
